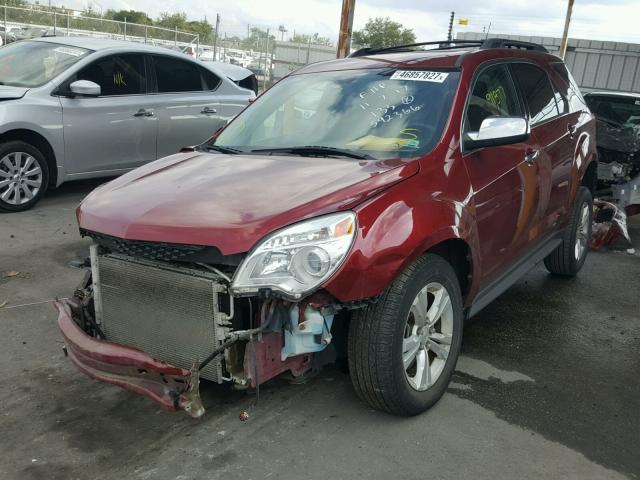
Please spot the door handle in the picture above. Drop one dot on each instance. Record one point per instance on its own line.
(531, 156)
(208, 110)
(143, 113)
(572, 129)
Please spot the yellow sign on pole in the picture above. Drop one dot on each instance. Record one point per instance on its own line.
(463, 21)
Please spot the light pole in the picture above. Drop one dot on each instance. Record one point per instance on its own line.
(565, 34)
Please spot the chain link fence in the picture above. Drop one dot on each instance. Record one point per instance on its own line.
(22, 23)
(265, 50)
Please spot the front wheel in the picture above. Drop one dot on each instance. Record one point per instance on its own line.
(23, 176)
(403, 349)
(570, 255)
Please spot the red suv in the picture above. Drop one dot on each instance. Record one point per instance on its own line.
(360, 209)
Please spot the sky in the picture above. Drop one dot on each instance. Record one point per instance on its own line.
(615, 20)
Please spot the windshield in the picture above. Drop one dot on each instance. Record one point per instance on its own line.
(31, 64)
(383, 113)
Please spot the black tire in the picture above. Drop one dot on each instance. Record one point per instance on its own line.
(12, 147)
(376, 337)
(563, 260)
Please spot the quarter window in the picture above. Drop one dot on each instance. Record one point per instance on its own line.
(537, 90)
(493, 94)
(176, 75)
(117, 75)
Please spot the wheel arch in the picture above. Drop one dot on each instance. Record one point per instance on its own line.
(457, 252)
(41, 143)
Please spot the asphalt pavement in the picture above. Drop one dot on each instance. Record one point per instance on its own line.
(547, 387)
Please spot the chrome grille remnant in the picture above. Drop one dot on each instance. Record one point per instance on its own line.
(172, 313)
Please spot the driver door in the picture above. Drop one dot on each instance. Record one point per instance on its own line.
(505, 185)
(117, 130)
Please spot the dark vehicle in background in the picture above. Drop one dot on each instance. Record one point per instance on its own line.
(618, 138)
(360, 208)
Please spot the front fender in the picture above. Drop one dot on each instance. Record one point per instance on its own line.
(394, 229)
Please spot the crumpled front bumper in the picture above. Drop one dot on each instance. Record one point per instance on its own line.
(171, 387)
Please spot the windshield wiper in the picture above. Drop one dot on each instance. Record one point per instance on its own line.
(315, 150)
(221, 149)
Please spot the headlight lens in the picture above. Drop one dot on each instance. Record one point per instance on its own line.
(297, 259)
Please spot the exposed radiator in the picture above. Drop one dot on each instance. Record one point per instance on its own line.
(172, 313)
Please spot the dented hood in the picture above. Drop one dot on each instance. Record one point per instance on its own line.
(231, 201)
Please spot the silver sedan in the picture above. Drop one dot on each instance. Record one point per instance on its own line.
(74, 108)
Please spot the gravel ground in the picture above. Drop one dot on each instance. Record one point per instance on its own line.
(547, 387)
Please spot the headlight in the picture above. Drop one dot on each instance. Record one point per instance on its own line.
(297, 259)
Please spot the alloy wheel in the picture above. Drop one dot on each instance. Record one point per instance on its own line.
(582, 232)
(20, 178)
(427, 336)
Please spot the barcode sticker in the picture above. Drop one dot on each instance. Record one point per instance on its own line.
(419, 76)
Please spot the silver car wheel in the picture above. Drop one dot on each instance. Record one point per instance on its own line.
(20, 178)
(427, 336)
(582, 232)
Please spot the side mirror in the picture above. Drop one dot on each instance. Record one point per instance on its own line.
(496, 131)
(85, 88)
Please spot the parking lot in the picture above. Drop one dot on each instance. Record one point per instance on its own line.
(547, 387)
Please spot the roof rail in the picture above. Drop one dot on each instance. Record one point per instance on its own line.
(507, 43)
(451, 44)
(442, 45)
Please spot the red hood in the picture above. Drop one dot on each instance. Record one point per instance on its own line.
(231, 201)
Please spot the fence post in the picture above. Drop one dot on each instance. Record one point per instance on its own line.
(145, 33)
(5, 24)
(68, 22)
(125, 28)
(308, 50)
(175, 36)
(197, 46)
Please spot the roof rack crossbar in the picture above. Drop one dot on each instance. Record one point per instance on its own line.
(508, 43)
(411, 46)
(451, 44)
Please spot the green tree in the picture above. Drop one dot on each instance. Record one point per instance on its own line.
(132, 16)
(257, 40)
(172, 20)
(315, 39)
(383, 32)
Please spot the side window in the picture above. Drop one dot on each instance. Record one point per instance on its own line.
(536, 88)
(176, 75)
(117, 74)
(493, 94)
(211, 80)
(561, 102)
(574, 96)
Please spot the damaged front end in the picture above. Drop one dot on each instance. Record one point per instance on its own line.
(155, 325)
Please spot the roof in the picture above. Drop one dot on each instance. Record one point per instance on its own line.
(98, 44)
(433, 58)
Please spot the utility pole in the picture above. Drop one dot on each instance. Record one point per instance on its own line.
(346, 27)
(565, 34)
(215, 37)
(450, 33)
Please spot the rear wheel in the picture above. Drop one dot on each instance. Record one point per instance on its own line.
(23, 176)
(403, 349)
(570, 255)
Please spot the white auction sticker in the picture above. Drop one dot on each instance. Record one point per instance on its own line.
(419, 76)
